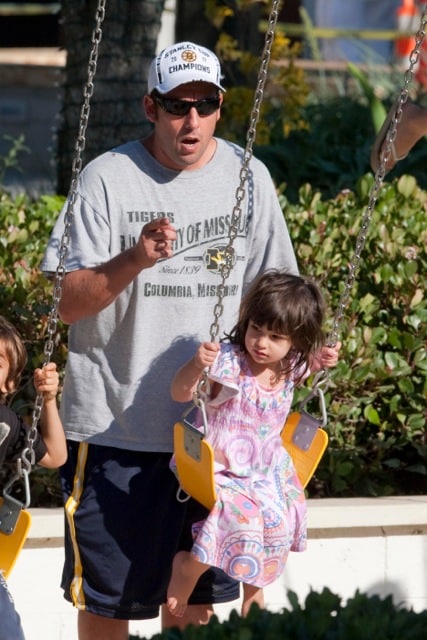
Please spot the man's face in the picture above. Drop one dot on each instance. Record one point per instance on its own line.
(184, 142)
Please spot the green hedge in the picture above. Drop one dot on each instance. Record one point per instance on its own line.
(377, 398)
(324, 617)
(377, 394)
(25, 299)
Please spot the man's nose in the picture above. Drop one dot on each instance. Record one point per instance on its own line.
(192, 117)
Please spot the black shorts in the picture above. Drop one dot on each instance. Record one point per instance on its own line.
(123, 527)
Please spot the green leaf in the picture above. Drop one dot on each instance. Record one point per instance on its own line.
(406, 185)
(392, 360)
(393, 463)
(406, 386)
(378, 112)
(371, 414)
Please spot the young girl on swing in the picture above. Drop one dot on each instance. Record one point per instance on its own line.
(49, 445)
(260, 511)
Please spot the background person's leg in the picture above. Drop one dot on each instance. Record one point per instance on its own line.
(10, 622)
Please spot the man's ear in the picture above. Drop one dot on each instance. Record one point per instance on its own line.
(221, 99)
(150, 108)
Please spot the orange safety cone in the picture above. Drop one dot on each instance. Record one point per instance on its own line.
(420, 71)
(407, 20)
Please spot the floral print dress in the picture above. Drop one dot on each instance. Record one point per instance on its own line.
(260, 511)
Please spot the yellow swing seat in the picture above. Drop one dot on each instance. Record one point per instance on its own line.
(15, 523)
(305, 440)
(194, 458)
(303, 437)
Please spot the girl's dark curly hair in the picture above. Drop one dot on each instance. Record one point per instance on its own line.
(16, 355)
(289, 305)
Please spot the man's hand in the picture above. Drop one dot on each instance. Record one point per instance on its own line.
(155, 242)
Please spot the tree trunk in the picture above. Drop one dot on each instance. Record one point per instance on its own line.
(190, 13)
(128, 44)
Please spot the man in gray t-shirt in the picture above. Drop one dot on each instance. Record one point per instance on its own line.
(149, 228)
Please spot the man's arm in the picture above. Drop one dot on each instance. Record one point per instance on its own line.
(86, 292)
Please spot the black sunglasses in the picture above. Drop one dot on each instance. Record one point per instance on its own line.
(177, 107)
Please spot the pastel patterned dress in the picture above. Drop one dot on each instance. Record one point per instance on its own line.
(260, 511)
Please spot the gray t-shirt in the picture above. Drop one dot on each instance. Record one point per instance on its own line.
(122, 360)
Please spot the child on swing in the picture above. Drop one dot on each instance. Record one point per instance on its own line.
(260, 511)
(49, 445)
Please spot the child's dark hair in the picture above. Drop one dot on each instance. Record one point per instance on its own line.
(15, 353)
(290, 305)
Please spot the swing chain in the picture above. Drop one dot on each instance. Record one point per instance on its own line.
(22, 473)
(379, 177)
(323, 376)
(228, 258)
(403, 96)
(27, 459)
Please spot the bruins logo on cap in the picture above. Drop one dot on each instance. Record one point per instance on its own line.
(188, 55)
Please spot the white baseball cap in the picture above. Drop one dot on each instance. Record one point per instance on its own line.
(182, 63)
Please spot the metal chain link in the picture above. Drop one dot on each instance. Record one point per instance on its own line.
(228, 260)
(27, 459)
(379, 177)
(333, 335)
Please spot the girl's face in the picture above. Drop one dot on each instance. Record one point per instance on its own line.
(4, 369)
(264, 346)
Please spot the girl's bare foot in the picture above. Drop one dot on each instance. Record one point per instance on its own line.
(185, 573)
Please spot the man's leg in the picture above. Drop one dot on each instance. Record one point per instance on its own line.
(122, 572)
(93, 627)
